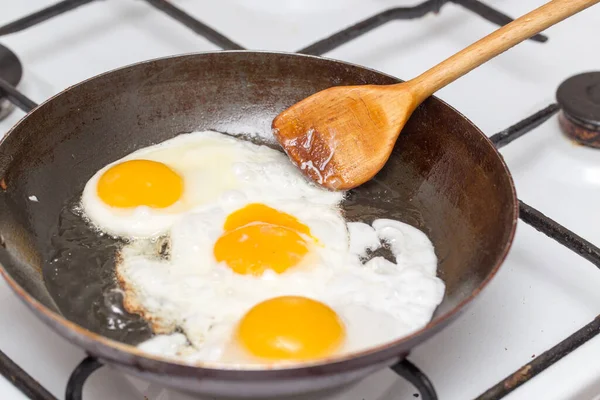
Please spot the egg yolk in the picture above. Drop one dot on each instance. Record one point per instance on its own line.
(252, 249)
(137, 183)
(257, 212)
(258, 237)
(291, 328)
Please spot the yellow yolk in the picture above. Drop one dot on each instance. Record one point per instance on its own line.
(257, 212)
(291, 328)
(252, 249)
(140, 183)
(258, 237)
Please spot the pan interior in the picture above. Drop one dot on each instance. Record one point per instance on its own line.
(443, 177)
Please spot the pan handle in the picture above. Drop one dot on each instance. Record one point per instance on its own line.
(414, 375)
(79, 376)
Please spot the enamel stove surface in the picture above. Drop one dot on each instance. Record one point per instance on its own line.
(542, 294)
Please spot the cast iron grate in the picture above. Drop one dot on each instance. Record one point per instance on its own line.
(528, 214)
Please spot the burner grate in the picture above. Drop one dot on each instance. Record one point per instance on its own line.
(10, 76)
(511, 133)
(195, 25)
(318, 48)
(17, 98)
(528, 214)
(547, 358)
(41, 16)
(405, 13)
(22, 380)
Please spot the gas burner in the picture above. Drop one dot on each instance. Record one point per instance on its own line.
(11, 71)
(579, 97)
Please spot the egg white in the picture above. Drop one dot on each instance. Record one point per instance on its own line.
(378, 301)
(215, 167)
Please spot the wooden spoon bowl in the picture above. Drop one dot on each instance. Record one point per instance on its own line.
(344, 135)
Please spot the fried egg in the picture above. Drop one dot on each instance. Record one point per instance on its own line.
(144, 193)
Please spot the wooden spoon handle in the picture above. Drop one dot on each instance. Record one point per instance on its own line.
(495, 43)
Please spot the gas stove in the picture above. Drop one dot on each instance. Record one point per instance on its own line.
(531, 334)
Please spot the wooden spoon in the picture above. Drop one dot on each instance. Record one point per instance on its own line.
(342, 136)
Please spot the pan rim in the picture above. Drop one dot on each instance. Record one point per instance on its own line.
(113, 352)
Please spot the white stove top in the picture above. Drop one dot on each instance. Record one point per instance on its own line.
(543, 292)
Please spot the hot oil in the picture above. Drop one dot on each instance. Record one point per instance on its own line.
(79, 273)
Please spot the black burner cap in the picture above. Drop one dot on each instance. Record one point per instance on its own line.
(579, 97)
(10, 66)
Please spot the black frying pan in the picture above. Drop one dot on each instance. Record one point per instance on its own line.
(444, 177)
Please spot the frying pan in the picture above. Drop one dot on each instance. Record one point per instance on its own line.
(444, 177)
